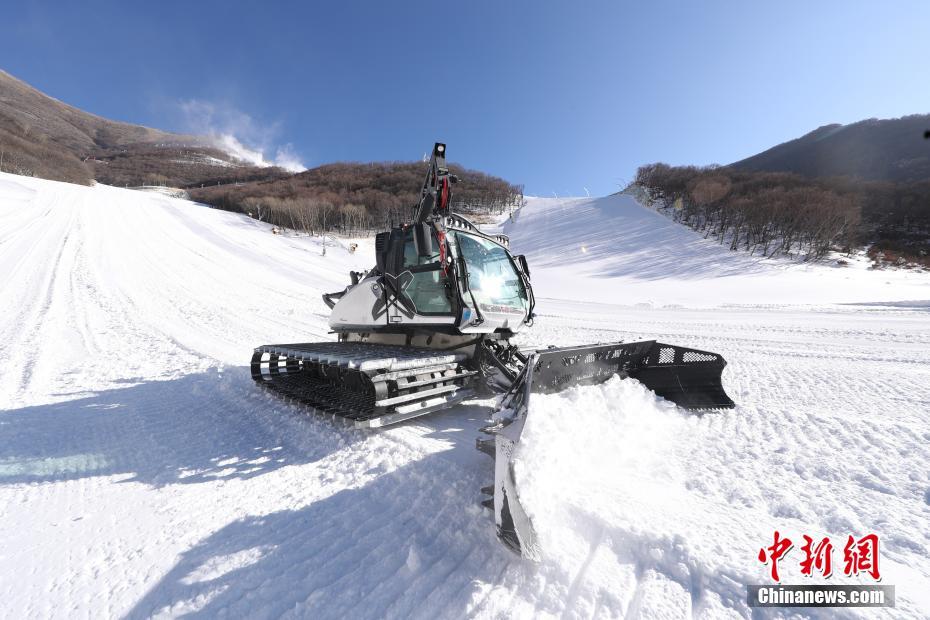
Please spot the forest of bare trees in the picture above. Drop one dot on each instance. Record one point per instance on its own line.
(21, 153)
(183, 166)
(355, 198)
(773, 213)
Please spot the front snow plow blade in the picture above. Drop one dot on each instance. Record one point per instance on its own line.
(688, 377)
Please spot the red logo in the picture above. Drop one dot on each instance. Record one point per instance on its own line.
(819, 557)
(859, 556)
(780, 547)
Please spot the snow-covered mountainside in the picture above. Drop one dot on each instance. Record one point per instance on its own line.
(142, 474)
(613, 249)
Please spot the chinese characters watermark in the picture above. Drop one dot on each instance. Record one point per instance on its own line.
(860, 556)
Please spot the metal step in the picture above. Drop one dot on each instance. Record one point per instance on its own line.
(416, 409)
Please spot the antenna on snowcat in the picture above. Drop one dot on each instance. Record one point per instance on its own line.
(436, 195)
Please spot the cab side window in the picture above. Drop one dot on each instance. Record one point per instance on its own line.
(427, 290)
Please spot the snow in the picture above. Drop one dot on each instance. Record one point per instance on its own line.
(206, 159)
(285, 156)
(143, 475)
(615, 250)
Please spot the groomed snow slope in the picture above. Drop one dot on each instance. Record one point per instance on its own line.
(615, 250)
(142, 474)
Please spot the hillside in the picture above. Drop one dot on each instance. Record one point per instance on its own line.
(872, 150)
(356, 197)
(783, 213)
(41, 136)
(142, 474)
(615, 249)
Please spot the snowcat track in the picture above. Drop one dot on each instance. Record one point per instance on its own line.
(369, 384)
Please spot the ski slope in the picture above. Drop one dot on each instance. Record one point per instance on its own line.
(614, 250)
(142, 474)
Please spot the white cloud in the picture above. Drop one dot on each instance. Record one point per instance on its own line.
(239, 134)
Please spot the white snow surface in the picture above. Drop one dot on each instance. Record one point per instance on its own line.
(143, 475)
(614, 250)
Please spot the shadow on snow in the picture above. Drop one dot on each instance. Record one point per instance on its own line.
(411, 543)
(192, 429)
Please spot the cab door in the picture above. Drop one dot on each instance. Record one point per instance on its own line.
(423, 280)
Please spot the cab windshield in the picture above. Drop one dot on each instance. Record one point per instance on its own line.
(492, 275)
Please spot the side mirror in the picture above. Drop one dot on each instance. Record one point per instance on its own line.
(524, 266)
(389, 250)
(423, 239)
(381, 247)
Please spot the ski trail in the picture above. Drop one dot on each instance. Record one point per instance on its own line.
(143, 475)
(31, 287)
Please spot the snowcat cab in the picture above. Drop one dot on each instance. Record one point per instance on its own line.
(430, 325)
(442, 276)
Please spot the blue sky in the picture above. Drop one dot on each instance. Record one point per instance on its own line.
(559, 96)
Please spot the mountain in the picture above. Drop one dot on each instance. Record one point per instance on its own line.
(874, 150)
(41, 136)
(356, 197)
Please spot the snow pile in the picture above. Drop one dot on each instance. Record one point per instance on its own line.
(599, 475)
(670, 507)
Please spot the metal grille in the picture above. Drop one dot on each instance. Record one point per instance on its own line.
(666, 355)
(697, 356)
